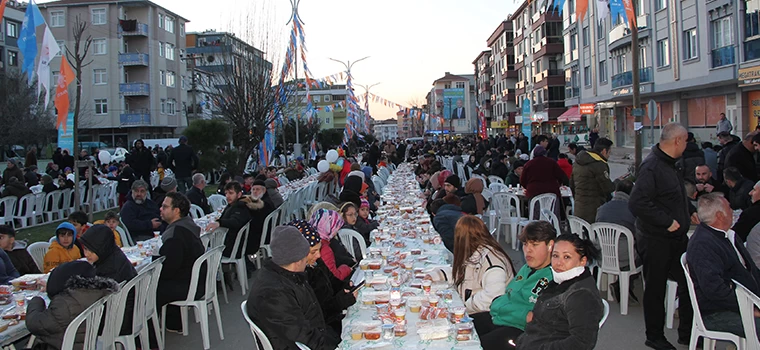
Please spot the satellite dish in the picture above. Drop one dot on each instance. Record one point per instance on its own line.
(210, 59)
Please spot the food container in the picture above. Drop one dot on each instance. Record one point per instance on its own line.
(381, 308)
(368, 299)
(426, 285)
(356, 333)
(464, 330)
(416, 251)
(457, 314)
(414, 303)
(388, 331)
(433, 300)
(399, 330)
(364, 265)
(382, 298)
(400, 314)
(372, 333)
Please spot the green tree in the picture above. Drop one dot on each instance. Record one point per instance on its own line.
(207, 136)
(330, 138)
(23, 121)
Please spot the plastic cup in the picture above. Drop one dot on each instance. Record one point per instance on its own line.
(415, 304)
(356, 333)
(433, 300)
(400, 314)
(426, 285)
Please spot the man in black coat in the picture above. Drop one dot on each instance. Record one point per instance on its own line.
(141, 160)
(750, 216)
(499, 168)
(659, 203)
(742, 157)
(691, 158)
(374, 156)
(139, 214)
(196, 195)
(234, 217)
(715, 257)
(281, 301)
(728, 142)
(738, 195)
(182, 161)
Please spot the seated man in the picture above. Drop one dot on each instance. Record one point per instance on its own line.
(750, 216)
(716, 256)
(235, 215)
(738, 196)
(140, 214)
(509, 311)
(446, 219)
(196, 195)
(281, 301)
(705, 183)
(16, 250)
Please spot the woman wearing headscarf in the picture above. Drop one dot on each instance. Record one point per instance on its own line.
(474, 203)
(327, 223)
(352, 189)
(334, 295)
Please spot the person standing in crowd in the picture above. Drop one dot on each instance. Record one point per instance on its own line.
(691, 157)
(659, 203)
(723, 125)
(749, 217)
(593, 136)
(58, 157)
(141, 160)
(183, 161)
(282, 302)
(716, 257)
(139, 214)
(474, 202)
(196, 195)
(742, 157)
(126, 179)
(590, 180)
(31, 157)
(574, 149)
(481, 269)
(67, 160)
(181, 247)
(373, 156)
(568, 311)
(738, 195)
(16, 250)
(543, 141)
(553, 149)
(728, 142)
(711, 158)
(542, 175)
(565, 164)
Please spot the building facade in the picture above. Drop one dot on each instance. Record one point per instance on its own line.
(693, 56)
(503, 78)
(386, 129)
(329, 103)
(10, 55)
(483, 72)
(133, 87)
(453, 97)
(540, 87)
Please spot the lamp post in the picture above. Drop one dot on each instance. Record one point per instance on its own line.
(366, 98)
(348, 65)
(297, 146)
(439, 105)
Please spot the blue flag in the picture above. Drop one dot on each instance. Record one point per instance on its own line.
(617, 10)
(27, 41)
(558, 5)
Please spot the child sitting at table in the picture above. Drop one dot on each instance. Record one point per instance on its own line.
(112, 221)
(72, 287)
(364, 225)
(62, 249)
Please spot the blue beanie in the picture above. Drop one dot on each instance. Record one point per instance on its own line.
(66, 226)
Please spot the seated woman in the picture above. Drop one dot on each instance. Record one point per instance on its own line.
(568, 311)
(63, 249)
(333, 294)
(110, 262)
(327, 223)
(72, 287)
(474, 202)
(481, 268)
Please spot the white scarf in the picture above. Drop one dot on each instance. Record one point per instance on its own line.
(560, 277)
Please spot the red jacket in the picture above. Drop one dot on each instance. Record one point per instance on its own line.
(564, 164)
(542, 175)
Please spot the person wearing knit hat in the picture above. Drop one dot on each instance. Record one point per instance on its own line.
(454, 186)
(168, 184)
(312, 236)
(62, 249)
(282, 302)
(358, 173)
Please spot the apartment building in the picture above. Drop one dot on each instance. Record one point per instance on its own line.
(503, 78)
(387, 129)
(483, 71)
(540, 88)
(10, 55)
(453, 97)
(133, 87)
(691, 65)
(327, 100)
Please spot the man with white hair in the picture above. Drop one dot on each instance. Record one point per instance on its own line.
(659, 203)
(716, 256)
(750, 216)
(196, 195)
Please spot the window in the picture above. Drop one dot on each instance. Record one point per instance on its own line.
(571, 6)
(317, 98)
(163, 78)
(99, 77)
(169, 51)
(62, 46)
(602, 71)
(160, 20)
(12, 29)
(99, 16)
(643, 57)
(587, 76)
(447, 86)
(57, 19)
(586, 38)
(327, 120)
(574, 41)
(161, 49)
(169, 24)
(722, 31)
(663, 53)
(99, 46)
(171, 106)
(181, 29)
(660, 4)
(327, 98)
(600, 30)
(13, 58)
(171, 78)
(460, 85)
(621, 64)
(56, 75)
(101, 106)
(690, 44)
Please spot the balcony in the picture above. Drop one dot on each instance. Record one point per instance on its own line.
(723, 56)
(620, 35)
(134, 89)
(135, 118)
(134, 59)
(626, 78)
(141, 29)
(209, 49)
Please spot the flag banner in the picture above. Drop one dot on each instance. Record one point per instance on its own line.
(580, 9)
(628, 5)
(65, 78)
(602, 10)
(48, 50)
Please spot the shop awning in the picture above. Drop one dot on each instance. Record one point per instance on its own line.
(573, 114)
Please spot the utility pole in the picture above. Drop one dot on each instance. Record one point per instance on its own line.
(366, 98)
(637, 111)
(297, 146)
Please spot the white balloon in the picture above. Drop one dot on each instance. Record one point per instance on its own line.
(104, 157)
(331, 156)
(323, 166)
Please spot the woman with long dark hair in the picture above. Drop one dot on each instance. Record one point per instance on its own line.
(481, 268)
(568, 311)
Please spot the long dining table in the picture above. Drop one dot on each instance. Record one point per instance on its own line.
(397, 308)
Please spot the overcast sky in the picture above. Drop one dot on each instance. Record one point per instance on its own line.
(410, 42)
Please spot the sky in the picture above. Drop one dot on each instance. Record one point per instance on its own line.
(410, 43)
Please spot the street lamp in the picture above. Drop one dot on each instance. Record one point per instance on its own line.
(439, 105)
(366, 98)
(348, 65)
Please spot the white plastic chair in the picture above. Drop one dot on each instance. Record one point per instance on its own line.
(542, 201)
(748, 301)
(671, 302)
(608, 236)
(91, 317)
(218, 236)
(151, 312)
(495, 179)
(257, 333)
(211, 259)
(113, 196)
(39, 206)
(129, 236)
(269, 224)
(347, 237)
(24, 211)
(548, 215)
(139, 286)
(38, 250)
(302, 347)
(237, 256)
(217, 201)
(125, 239)
(36, 189)
(50, 209)
(8, 206)
(578, 226)
(496, 187)
(215, 239)
(606, 313)
(66, 206)
(196, 212)
(508, 209)
(698, 328)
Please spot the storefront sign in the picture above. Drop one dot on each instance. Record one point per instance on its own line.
(586, 108)
(629, 90)
(500, 124)
(518, 119)
(749, 76)
(754, 108)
